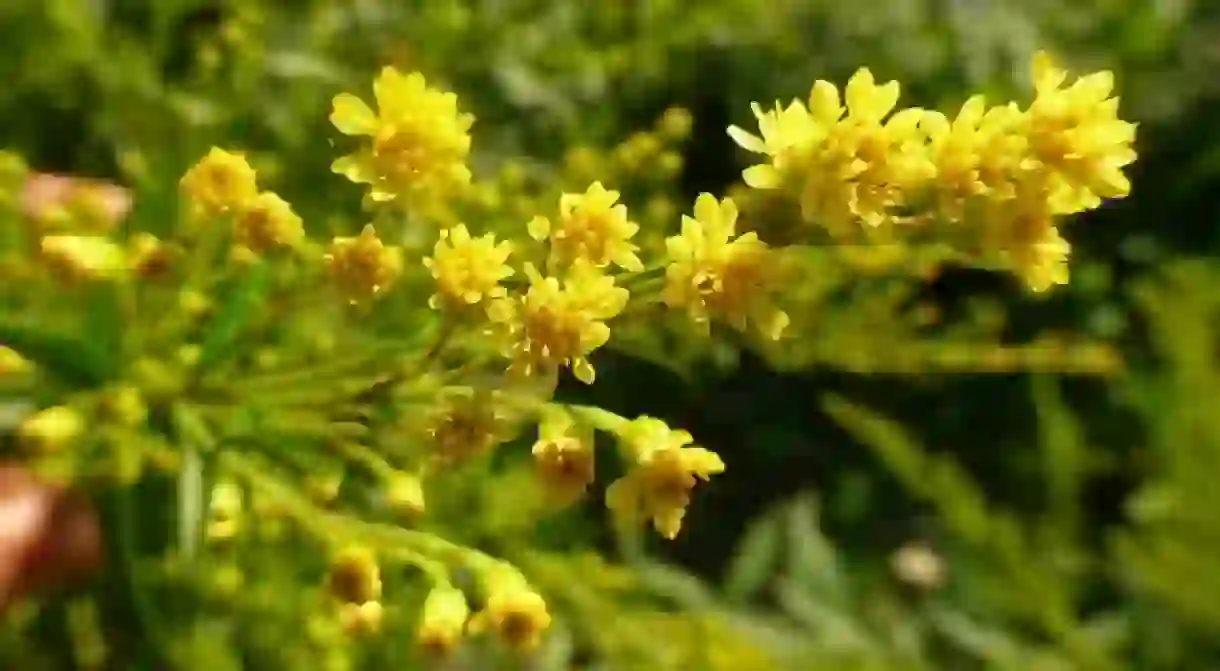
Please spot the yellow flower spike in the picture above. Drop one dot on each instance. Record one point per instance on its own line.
(514, 612)
(354, 576)
(267, 222)
(564, 456)
(592, 226)
(665, 469)
(714, 272)
(560, 323)
(467, 270)
(13, 365)
(419, 140)
(220, 182)
(50, 429)
(363, 265)
(443, 621)
(83, 257)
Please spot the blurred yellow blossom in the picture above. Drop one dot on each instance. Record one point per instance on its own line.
(364, 265)
(514, 612)
(50, 429)
(220, 182)
(564, 456)
(419, 140)
(267, 222)
(711, 272)
(443, 620)
(83, 257)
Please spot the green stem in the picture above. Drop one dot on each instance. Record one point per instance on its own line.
(393, 541)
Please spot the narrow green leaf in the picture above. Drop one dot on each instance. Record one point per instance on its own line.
(237, 307)
(756, 559)
(77, 361)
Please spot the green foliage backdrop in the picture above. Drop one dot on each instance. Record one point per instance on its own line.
(944, 473)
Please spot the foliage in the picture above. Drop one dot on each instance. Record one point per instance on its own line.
(262, 392)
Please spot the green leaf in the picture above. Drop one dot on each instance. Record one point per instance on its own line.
(236, 309)
(77, 361)
(756, 559)
(812, 561)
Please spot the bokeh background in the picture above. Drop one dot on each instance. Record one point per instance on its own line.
(951, 474)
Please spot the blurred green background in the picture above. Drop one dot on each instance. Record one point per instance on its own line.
(989, 500)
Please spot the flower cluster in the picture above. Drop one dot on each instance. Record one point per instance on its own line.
(450, 349)
(1003, 173)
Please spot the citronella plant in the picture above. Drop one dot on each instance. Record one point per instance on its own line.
(267, 367)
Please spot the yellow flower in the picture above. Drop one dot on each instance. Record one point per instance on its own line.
(713, 273)
(676, 124)
(1022, 232)
(849, 168)
(979, 153)
(220, 182)
(363, 265)
(83, 257)
(149, 257)
(468, 423)
(13, 364)
(361, 619)
(224, 511)
(665, 468)
(50, 429)
(1075, 132)
(419, 139)
(560, 323)
(444, 617)
(467, 269)
(592, 227)
(564, 456)
(266, 223)
(514, 611)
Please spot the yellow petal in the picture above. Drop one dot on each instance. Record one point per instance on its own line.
(761, 177)
(351, 116)
(747, 141)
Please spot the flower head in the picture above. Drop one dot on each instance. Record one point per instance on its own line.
(267, 222)
(220, 182)
(467, 269)
(364, 265)
(665, 469)
(852, 163)
(1074, 131)
(418, 140)
(593, 227)
(443, 620)
(713, 271)
(564, 456)
(514, 612)
(84, 257)
(559, 323)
